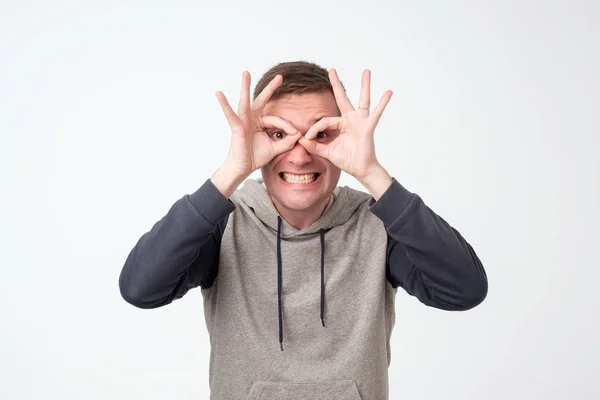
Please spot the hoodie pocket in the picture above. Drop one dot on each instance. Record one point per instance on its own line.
(326, 390)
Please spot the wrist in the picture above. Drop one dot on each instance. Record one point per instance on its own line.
(376, 181)
(227, 180)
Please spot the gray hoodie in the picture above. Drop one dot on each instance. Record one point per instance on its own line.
(302, 314)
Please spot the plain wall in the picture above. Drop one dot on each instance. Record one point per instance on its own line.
(108, 116)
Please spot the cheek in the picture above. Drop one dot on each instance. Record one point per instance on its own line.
(331, 169)
(333, 172)
(269, 169)
(276, 160)
(272, 165)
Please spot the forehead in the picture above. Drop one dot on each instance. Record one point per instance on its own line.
(303, 108)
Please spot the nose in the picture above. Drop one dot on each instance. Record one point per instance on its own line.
(298, 155)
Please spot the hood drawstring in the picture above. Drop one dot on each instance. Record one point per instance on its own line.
(279, 282)
(279, 279)
(322, 235)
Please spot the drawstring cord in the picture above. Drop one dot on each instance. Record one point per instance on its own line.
(280, 279)
(322, 236)
(279, 284)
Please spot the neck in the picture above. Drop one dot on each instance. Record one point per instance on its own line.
(301, 219)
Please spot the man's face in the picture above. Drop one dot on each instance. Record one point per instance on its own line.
(298, 180)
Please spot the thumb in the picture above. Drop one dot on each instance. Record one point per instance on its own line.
(286, 144)
(314, 147)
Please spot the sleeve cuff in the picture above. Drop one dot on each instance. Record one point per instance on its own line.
(392, 203)
(211, 203)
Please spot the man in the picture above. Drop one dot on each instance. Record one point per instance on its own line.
(298, 275)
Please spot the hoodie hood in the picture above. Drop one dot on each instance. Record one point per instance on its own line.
(300, 313)
(343, 203)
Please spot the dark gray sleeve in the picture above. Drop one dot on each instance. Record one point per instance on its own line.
(426, 256)
(180, 252)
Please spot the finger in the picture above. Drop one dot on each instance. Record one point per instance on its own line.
(321, 125)
(271, 121)
(364, 101)
(263, 98)
(232, 118)
(244, 104)
(314, 147)
(286, 144)
(341, 98)
(378, 111)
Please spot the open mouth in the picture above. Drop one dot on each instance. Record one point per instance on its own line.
(299, 178)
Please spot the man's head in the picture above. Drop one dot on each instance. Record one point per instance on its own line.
(298, 181)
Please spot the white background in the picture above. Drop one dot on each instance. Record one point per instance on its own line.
(108, 116)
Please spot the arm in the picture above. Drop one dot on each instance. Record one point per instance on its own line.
(180, 252)
(426, 256)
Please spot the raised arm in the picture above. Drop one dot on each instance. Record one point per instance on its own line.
(426, 256)
(180, 252)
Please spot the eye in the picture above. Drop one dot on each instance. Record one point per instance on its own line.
(321, 135)
(278, 135)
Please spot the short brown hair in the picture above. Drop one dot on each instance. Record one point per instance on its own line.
(299, 77)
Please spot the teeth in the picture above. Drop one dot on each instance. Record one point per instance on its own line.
(304, 178)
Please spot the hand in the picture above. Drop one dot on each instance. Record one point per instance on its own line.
(353, 150)
(251, 146)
